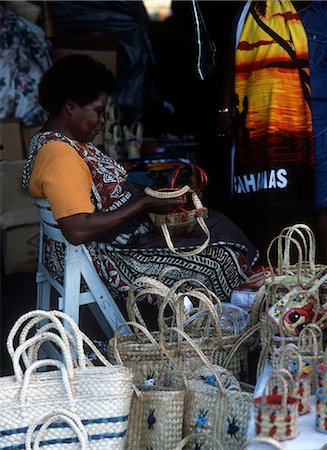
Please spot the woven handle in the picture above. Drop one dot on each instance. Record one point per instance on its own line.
(290, 350)
(199, 437)
(36, 316)
(75, 338)
(201, 355)
(176, 302)
(307, 237)
(45, 363)
(311, 337)
(280, 260)
(44, 337)
(167, 194)
(203, 226)
(140, 327)
(279, 376)
(264, 440)
(62, 415)
(244, 337)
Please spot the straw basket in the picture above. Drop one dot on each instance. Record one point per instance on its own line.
(100, 396)
(215, 402)
(156, 417)
(321, 399)
(291, 360)
(276, 412)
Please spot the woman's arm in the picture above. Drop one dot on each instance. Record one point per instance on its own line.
(82, 228)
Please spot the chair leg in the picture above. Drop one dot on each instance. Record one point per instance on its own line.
(43, 295)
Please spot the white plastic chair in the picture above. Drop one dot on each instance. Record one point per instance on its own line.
(78, 264)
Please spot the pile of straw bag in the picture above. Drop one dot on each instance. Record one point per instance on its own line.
(76, 392)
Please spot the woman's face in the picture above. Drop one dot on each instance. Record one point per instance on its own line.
(87, 121)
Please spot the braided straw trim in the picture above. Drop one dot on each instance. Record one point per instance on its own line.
(167, 194)
(264, 440)
(195, 436)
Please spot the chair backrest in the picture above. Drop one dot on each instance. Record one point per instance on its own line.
(49, 224)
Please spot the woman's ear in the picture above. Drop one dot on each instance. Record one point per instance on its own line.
(70, 106)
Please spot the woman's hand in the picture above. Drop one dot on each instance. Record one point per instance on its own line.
(160, 205)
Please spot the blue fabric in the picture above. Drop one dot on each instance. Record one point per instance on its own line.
(320, 142)
(314, 19)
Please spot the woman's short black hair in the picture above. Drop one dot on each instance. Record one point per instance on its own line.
(75, 77)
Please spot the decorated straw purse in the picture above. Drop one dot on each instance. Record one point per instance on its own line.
(321, 396)
(291, 360)
(199, 441)
(184, 219)
(276, 411)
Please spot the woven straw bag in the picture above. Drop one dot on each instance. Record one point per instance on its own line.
(184, 219)
(55, 430)
(215, 402)
(264, 440)
(321, 397)
(100, 396)
(200, 441)
(276, 412)
(310, 347)
(291, 360)
(156, 416)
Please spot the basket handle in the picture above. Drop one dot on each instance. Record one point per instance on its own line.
(307, 238)
(280, 376)
(44, 363)
(44, 337)
(203, 226)
(36, 316)
(167, 194)
(199, 436)
(176, 301)
(75, 339)
(264, 440)
(292, 350)
(311, 336)
(71, 419)
(201, 172)
(201, 355)
(280, 260)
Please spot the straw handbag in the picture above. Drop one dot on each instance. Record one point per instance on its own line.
(215, 402)
(200, 441)
(55, 430)
(276, 412)
(156, 416)
(99, 395)
(184, 219)
(310, 347)
(291, 360)
(321, 397)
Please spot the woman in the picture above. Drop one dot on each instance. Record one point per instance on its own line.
(94, 203)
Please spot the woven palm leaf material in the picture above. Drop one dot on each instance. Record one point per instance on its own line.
(199, 440)
(99, 395)
(264, 440)
(276, 412)
(215, 402)
(321, 396)
(156, 416)
(291, 360)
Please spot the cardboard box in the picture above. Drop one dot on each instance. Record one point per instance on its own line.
(12, 195)
(27, 136)
(11, 140)
(106, 57)
(20, 240)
